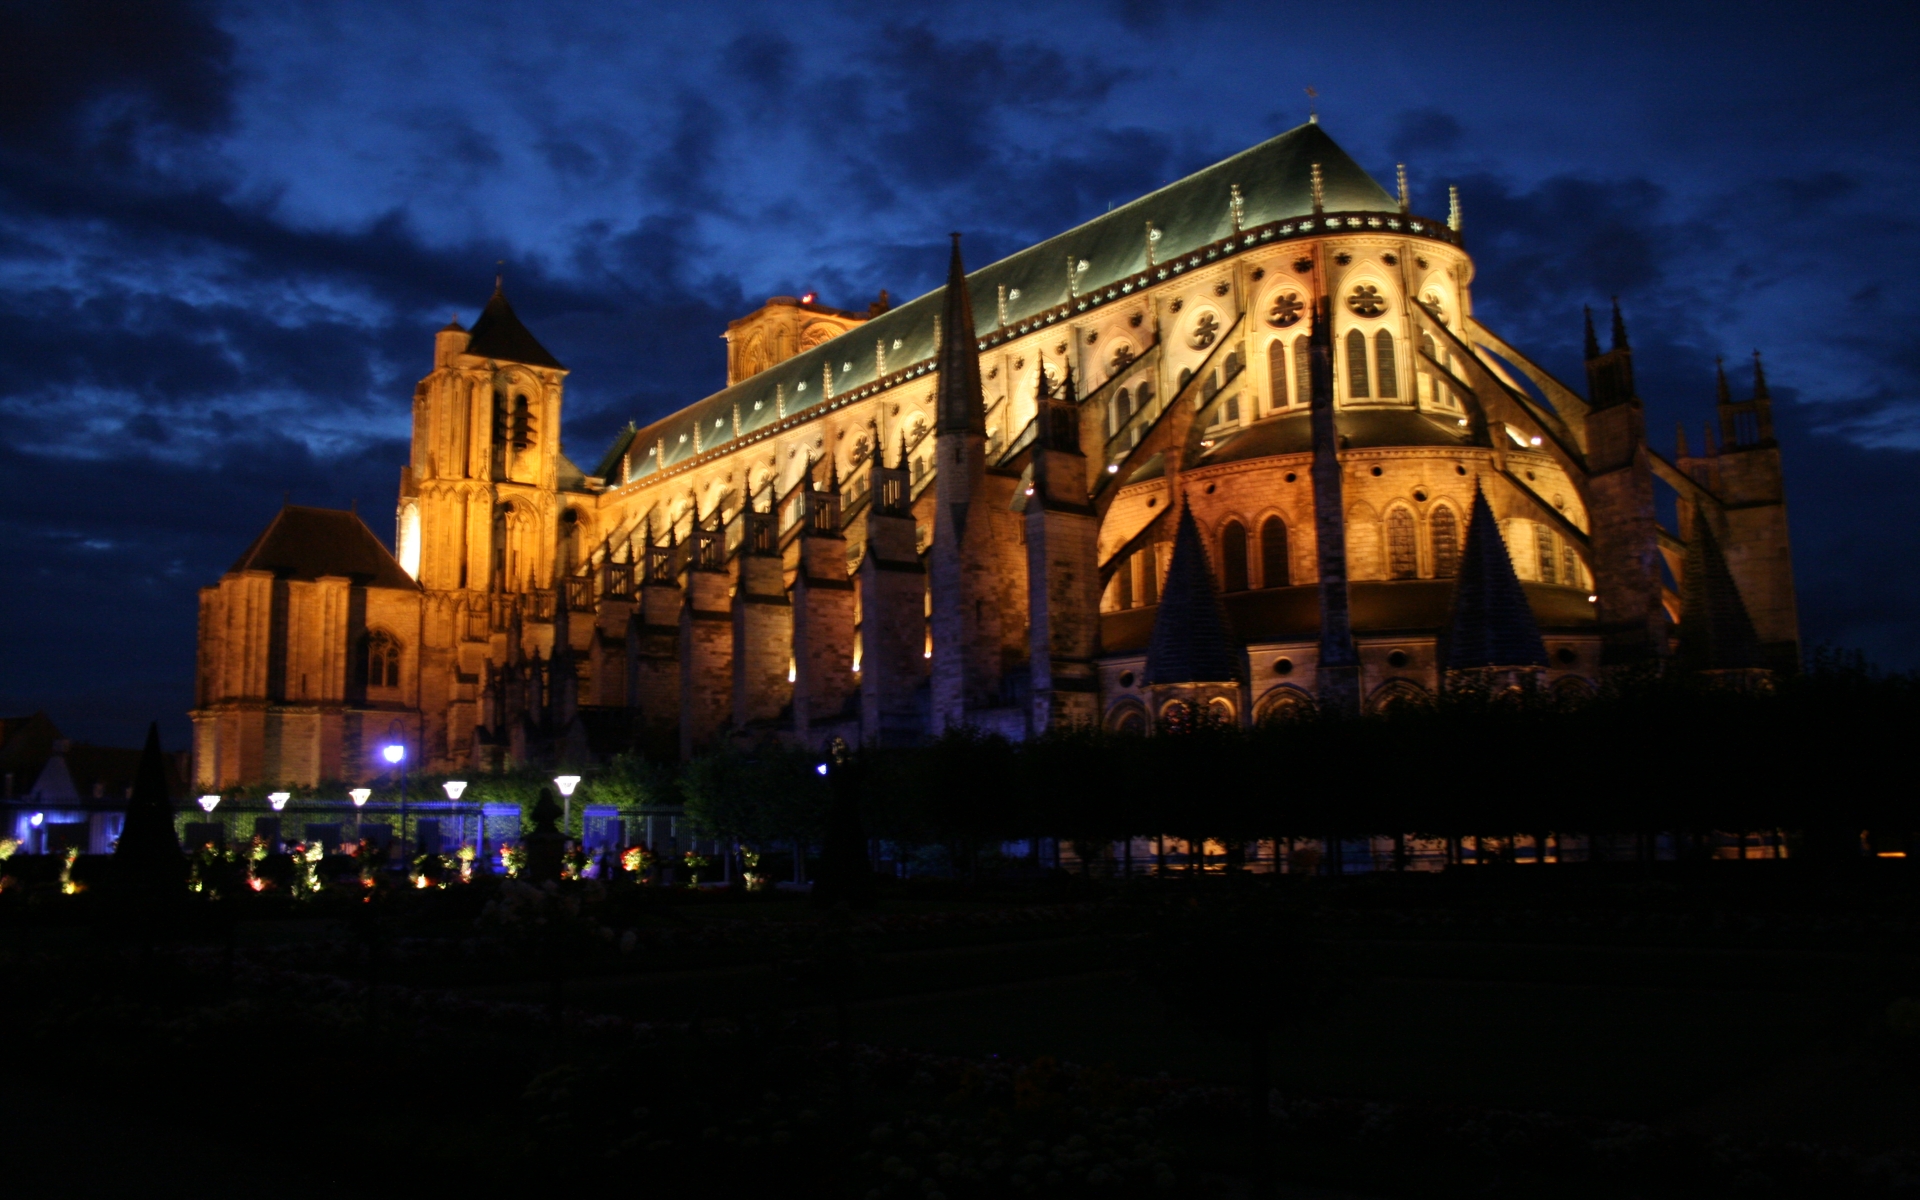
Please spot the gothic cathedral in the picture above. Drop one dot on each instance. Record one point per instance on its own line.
(1234, 449)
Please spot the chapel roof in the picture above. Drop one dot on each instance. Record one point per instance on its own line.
(310, 543)
(1190, 642)
(1274, 181)
(1493, 625)
(500, 334)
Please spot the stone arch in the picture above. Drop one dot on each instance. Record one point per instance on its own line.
(1283, 703)
(1128, 716)
(1395, 693)
(1572, 689)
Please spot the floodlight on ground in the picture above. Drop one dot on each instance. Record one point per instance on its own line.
(454, 788)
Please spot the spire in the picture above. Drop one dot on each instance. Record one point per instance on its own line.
(1319, 190)
(499, 334)
(1453, 208)
(1593, 342)
(960, 401)
(1191, 642)
(1400, 174)
(1715, 632)
(1724, 395)
(1759, 379)
(833, 474)
(903, 451)
(148, 847)
(1493, 624)
(1619, 327)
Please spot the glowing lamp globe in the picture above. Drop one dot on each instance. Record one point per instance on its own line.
(454, 788)
(208, 802)
(822, 768)
(566, 783)
(37, 819)
(279, 799)
(360, 796)
(394, 753)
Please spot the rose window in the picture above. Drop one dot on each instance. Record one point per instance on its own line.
(1286, 310)
(1366, 301)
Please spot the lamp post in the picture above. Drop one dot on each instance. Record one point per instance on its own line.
(453, 788)
(396, 756)
(209, 802)
(279, 799)
(566, 784)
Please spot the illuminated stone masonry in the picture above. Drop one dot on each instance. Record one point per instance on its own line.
(963, 510)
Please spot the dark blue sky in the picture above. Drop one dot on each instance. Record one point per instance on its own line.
(227, 233)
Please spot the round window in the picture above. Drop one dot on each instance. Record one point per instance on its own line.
(1283, 666)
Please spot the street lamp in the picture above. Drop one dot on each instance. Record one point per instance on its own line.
(566, 784)
(454, 788)
(396, 754)
(360, 796)
(208, 801)
(279, 799)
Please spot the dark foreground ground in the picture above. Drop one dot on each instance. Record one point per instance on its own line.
(1734, 1030)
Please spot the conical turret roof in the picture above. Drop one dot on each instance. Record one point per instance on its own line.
(1716, 633)
(1493, 624)
(148, 839)
(1191, 641)
(960, 402)
(500, 334)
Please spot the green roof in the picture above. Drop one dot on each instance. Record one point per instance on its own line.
(1275, 184)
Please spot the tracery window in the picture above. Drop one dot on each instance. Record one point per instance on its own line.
(1277, 372)
(1446, 544)
(1543, 543)
(1357, 365)
(1233, 557)
(1385, 368)
(1402, 561)
(383, 660)
(1274, 568)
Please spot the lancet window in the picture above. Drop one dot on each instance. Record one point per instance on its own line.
(1277, 372)
(1402, 560)
(1386, 370)
(1543, 543)
(383, 660)
(1302, 370)
(1233, 557)
(1357, 388)
(1446, 543)
(1274, 564)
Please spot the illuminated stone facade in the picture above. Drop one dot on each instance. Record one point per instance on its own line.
(962, 510)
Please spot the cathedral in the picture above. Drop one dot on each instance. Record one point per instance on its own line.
(1232, 450)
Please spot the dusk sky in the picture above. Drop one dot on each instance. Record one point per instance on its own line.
(228, 232)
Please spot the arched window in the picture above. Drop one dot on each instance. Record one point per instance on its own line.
(1124, 577)
(1302, 370)
(1386, 370)
(1274, 567)
(1357, 365)
(1233, 557)
(1277, 372)
(383, 660)
(1569, 566)
(1220, 713)
(1446, 544)
(1128, 717)
(1402, 563)
(1176, 716)
(520, 426)
(1543, 542)
(1426, 343)
(1186, 374)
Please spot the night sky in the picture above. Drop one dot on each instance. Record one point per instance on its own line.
(227, 233)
